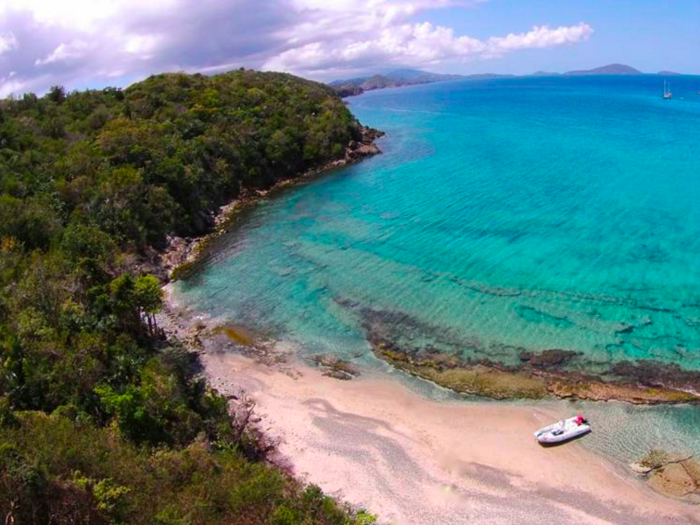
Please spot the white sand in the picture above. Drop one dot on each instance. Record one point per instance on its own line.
(414, 461)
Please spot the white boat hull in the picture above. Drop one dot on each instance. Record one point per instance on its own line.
(562, 431)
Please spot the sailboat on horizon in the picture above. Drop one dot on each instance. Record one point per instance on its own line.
(667, 91)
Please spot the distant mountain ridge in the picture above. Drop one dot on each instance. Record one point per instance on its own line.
(398, 78)
(410, 77)
(611, 69)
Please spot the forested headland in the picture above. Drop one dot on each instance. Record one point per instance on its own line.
(101, 419)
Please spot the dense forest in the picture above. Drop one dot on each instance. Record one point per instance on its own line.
(101, 420)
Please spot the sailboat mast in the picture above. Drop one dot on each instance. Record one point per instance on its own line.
(667, 90)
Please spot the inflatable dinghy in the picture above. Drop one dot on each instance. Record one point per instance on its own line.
(563, 430)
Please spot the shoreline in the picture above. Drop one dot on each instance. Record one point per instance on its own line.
(378, 445)
(459, 449)
(181, 253)
(309, 414)
(541, 375)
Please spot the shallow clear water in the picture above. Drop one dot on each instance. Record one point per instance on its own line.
(621, 432)
(504, 215)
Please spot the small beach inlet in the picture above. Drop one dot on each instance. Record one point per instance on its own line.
(498, 248)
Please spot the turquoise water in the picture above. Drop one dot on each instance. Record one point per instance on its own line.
(504, 215)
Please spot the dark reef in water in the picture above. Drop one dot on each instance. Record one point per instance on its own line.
(470, 366)
(548, 358)
(658, 375)
(534, 315)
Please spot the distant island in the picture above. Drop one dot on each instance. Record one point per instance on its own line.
(399, 78)
(411, 77)
(611, 69)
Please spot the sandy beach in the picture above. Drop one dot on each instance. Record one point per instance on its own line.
(380, 446)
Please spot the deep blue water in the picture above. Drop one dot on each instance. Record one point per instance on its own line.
(503, 215)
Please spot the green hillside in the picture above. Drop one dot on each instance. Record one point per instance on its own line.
(101, 419)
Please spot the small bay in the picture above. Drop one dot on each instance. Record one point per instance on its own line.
(504, 216)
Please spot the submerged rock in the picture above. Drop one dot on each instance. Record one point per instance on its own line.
(625, 329)
(671, 474)
(533, 315)
(450, 359)
(335, 367)
(548, 358)
(657, 375)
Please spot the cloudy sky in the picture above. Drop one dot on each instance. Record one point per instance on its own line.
(93, 43)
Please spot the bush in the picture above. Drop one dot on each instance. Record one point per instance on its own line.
(7, 417)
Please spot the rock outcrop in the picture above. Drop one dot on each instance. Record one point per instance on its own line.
(672, 475)
(365, 148)
(335, 367)
(463, 365)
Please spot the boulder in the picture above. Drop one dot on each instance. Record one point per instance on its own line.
(335, 367)
(640, 468)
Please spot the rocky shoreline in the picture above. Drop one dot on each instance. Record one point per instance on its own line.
(540, 375)
(490, 379)
(672, 475)
(550, 373)
(182, 252)
(198, 334)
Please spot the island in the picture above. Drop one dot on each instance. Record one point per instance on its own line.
(411, 77)
(399, 78)
(611, 69)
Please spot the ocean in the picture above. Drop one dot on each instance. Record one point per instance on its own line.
(504, 216)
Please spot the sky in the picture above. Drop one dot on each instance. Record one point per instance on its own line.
(96, 43)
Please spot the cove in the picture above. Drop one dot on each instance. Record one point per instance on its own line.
(504, 216)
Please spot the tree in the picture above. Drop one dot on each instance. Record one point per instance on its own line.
(57, 94)
(149, 298)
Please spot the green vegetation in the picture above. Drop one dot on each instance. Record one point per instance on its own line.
(101, 419)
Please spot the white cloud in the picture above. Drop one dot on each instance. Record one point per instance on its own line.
(8, 87)
(540, 37)
(141, 45)
(63, 52)
(418, 45)
(7, 42)
(99, 42)
(82, 15)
